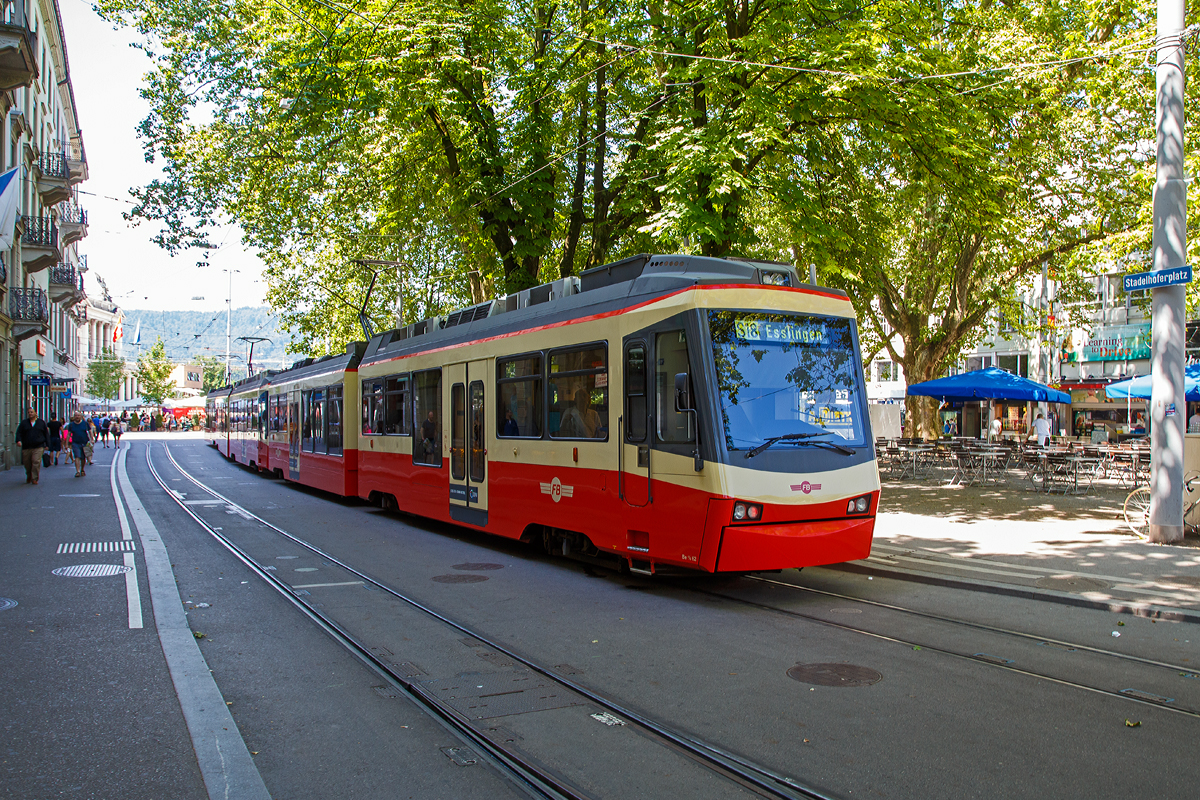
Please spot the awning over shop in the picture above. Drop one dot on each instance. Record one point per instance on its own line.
(990, 383)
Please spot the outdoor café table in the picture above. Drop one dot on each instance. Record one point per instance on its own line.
(991, 454)
(915, 451)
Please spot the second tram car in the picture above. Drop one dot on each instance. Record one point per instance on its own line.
(663, 413)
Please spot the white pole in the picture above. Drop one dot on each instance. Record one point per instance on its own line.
(228, 336)
(1167, 404)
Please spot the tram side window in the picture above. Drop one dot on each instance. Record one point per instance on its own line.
(670, 349)
(318, 420)
(579, 393)
(635, 392)
(427, 417)
(306, 424)
(395, 403)
(372, 406)
(333, 421)
(519, 397)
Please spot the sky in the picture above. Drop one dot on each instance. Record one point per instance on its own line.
(107, 73)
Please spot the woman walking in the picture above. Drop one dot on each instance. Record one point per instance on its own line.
(80, 437)
(117, 428)
(55, 427)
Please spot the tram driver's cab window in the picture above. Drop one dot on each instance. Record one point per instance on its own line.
(578, 389)
(427, 417)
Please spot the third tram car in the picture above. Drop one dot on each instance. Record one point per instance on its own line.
(663, 413)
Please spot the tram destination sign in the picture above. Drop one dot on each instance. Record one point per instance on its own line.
(1163, 277)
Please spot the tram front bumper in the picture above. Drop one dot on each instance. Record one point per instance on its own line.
(748, 548)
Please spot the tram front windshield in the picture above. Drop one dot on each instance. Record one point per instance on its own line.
(781, 374)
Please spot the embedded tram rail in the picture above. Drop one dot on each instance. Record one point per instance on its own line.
(525, 759)
(1044, 651)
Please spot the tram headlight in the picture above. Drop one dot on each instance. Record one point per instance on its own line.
(746, 511)
(858, 505)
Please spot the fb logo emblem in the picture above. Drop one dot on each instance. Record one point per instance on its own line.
(556, 490)
(806, 487)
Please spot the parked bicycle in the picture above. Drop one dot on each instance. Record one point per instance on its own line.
(1137, 509)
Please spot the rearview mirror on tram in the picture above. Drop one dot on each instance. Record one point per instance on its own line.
(683, 392)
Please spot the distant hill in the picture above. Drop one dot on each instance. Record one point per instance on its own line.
(187, 334)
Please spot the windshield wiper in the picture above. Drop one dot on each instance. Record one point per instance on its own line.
(795, 437)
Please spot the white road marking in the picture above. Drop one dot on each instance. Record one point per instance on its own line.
(79, 495)
(133, 597)
(224, 761)
(323, 585)
(96, 547)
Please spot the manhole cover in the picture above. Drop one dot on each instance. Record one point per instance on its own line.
(1071, 583)
(92, 571)
(459, 578)
(834, 674)
(7, 603)
(472, 566)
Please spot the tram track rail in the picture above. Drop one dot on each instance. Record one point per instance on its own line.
(979, 658)
(533, 778)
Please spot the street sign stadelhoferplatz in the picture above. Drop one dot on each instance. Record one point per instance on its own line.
(1163, 277)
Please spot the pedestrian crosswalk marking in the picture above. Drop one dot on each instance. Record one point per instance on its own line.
(97, 547)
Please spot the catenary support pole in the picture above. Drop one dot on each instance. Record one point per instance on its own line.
(1167, 404)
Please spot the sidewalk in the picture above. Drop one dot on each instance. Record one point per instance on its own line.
(1008, 539)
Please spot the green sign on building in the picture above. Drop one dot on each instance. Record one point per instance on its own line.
(1118, 343)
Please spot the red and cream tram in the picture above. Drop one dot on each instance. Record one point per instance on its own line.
(664, 412)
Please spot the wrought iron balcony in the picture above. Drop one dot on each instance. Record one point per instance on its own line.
(39, 243)
(18, 48)
(39, 231)
(72, 222)
(66, 284)
(54, 178)
(30, 313)
(54, 165)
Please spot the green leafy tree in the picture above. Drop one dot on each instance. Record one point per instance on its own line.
(214, 372)
(153, 373)
(104, 375)
(928, 157)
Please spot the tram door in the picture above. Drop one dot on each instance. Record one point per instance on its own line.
(635, 426)
(293, 429)
(467, 422)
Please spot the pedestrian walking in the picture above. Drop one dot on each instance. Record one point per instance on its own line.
(117, 430)
(105, 427)
(54, 426)
(33, 436)
(93, 433)
(79, 432)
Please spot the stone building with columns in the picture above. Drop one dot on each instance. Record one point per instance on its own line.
(41, 273)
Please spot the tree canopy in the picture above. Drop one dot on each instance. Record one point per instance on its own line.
(153, 373)
(104, 375)
(925, 156)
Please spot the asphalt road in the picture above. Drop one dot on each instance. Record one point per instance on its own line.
(946, 710)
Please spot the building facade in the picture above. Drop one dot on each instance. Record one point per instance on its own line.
(41, 275)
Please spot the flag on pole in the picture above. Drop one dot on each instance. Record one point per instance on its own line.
(119, 330)
(137, 332)
(10, 198)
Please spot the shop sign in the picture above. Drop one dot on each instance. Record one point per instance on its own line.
(31, 366)
(1118, 343)
(42, 380)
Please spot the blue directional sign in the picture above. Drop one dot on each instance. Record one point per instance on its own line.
(41, 380)
(1163, 277)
